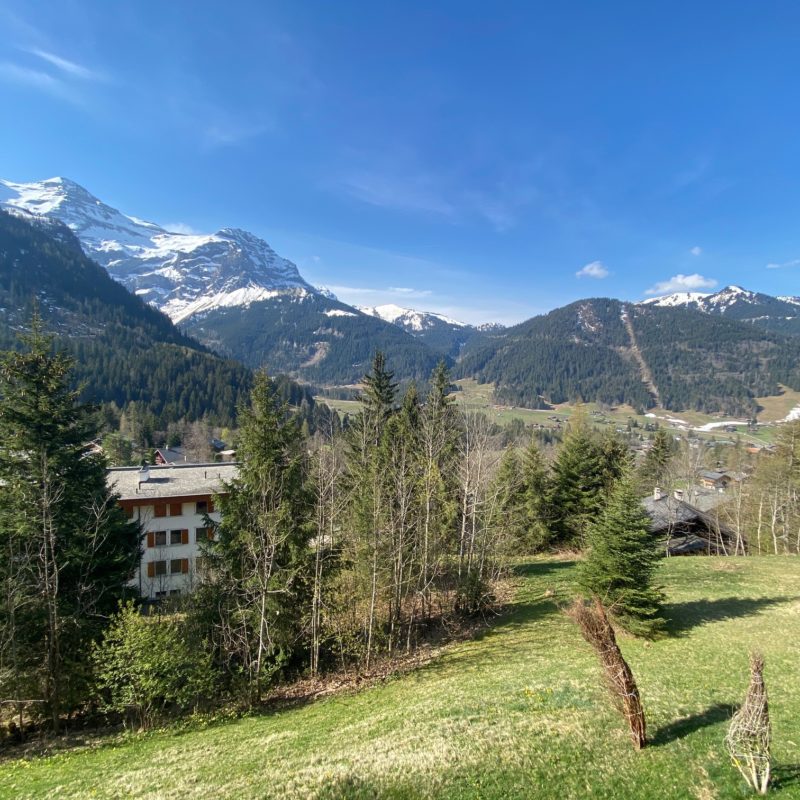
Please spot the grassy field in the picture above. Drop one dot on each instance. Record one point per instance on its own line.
(478, 397)
(516, 713)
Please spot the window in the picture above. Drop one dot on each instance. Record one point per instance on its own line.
(175, 565)
(174, 592)
(201, 507)
(202, 534)
(159, 567)
(160, 595)
(161, 539)
(175, 537)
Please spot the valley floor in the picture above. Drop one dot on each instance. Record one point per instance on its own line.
(518, 712)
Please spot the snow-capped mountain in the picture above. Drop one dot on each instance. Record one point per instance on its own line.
(774, 313)
(687, 299)
(443, 334)
(413, 321)
(181, 274)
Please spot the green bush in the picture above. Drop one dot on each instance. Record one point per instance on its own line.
(146, 667)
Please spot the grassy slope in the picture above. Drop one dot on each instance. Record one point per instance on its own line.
(517, 713)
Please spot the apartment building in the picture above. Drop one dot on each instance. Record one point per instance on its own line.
(172, 503)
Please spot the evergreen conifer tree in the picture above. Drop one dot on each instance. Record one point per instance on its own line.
(653, 471)
(256, 578)
(578, 484)
(536, 488)
(68, 549)
(620, 561)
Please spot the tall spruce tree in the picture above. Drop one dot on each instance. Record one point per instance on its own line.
(654, 469)
(254, 587)
(536, 491)
(620, 561)
(68, 549)
(578, 484)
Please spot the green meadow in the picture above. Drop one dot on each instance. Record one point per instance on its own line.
(516, 712)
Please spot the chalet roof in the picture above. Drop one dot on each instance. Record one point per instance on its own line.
(174, 480)
(712, 476)
(172, 455)
(667, 512)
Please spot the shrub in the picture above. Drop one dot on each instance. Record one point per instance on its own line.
(147, 667)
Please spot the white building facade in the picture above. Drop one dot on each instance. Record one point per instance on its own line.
(173, 504)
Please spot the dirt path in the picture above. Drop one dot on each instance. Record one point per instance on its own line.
(647, 376)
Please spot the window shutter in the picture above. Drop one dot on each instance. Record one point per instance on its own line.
(185, 536)
(184, 565)
(151, 539)
(151, 569)
(210, 534)
(175, 509)
(160, 510)
(210, 506)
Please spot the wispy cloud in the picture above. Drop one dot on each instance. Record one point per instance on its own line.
(67, 67)
(227, 131)
(696, 251)
(361, 295)
(795, 262)
(25, 76)
(416, 193)
(682, 283)
(594, 269)
(57, 76)
(179, 227)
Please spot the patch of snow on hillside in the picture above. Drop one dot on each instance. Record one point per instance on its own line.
(793, 415)
(709, 426)
(178, 310)
(338, 312)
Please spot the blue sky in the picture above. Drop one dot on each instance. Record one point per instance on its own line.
(491, 161)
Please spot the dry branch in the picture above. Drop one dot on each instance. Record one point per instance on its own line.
(596, 629)
(749, 734)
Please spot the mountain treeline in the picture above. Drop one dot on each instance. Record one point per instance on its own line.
(127, 356)
(314, 338)
(587, 351)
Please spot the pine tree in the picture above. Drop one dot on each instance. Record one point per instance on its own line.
(68, 548)
(621, 559)
(653, 471)
(579, 481)
(536, 489)
(256, 579)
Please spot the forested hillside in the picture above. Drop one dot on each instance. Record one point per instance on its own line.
(124, 350)
(599, 349)
(311, 337)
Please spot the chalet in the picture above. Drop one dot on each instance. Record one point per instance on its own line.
(714, 480)
(688, 528)
(171, 503)
(169, 455)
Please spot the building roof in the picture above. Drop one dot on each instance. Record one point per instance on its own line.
(667, 512)
(173, 480)
(712, 476)
(172, 455)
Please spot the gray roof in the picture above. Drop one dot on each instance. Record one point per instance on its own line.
(667, 511)
(174, 480)
(712, 476)
(172, 455)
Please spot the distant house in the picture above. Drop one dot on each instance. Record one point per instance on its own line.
(171, 504)
(686, 529)
(169, 455)
(714, 480)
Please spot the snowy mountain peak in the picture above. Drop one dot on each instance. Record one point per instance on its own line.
(786, 298)
(408, 318)
(689, 299)
(182, 274)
